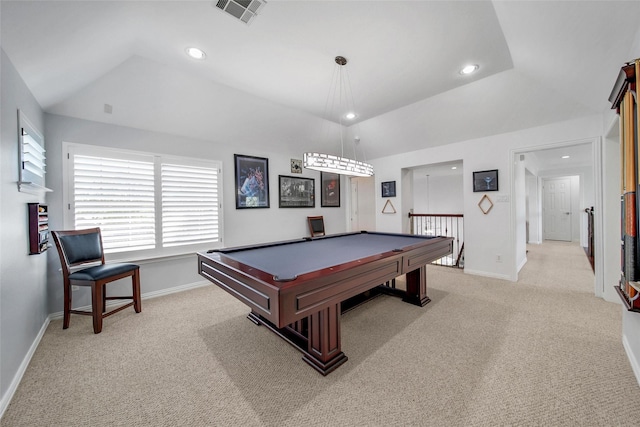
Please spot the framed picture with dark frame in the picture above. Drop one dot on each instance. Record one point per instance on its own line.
(296, 192)
(252, 182)
(388, 189)
(485, 181)
(329, 190)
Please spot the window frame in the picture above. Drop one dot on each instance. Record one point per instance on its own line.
(70, 149)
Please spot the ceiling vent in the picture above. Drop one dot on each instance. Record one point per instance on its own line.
(244, 10)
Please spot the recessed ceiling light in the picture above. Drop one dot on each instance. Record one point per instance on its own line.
(468, 69)
(454, 167)
(195, 53)
(565, 157)
(350, 116)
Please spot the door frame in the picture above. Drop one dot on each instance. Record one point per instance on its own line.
(596, 167)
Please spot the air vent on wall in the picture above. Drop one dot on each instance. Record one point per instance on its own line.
(244, 10)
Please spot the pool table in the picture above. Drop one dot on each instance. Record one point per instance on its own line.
(297, 288)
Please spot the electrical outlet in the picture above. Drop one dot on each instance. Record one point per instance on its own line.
(74, 287)
(498, 258)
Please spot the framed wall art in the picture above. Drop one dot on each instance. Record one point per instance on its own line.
(389, 189)
(252, 182)
(330, 190)
(296, 166)
(296, 192)
(485, 181)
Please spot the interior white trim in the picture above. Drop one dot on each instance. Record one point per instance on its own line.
(598, 222)
(17, 378)
(597, 184)
(6, 399)
(486, 274)
(633, 360)
(522, 264)
(145, 296)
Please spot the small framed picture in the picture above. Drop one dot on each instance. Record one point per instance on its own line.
(252, 182)
(296, 166)
(296, 192)
(389, 189)
(485, 181)
(330, 190)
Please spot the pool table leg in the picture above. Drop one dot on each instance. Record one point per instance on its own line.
(323, 346)
(319, 341)
(417, 287)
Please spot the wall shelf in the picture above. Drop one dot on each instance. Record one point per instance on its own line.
(38, 228)
(32, 158)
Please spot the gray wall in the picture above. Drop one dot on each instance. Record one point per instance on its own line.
(23, 296)
(241, 227)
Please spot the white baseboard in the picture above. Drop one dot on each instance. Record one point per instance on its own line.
(633, 360)
(6, 399)
(147, 295)
(176, 289)
(485, 274)
(522, 264)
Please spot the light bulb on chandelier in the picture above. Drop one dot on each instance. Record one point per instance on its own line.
(333, 163)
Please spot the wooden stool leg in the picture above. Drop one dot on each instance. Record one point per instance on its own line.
(104, 299)
(137, 304)
(67, 305)
(96, 306)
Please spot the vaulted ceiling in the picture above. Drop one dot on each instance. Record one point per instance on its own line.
(266, 84)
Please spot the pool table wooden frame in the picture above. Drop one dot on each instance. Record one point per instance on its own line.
(306, 311)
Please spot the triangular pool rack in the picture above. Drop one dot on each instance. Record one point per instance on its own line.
(388, 208)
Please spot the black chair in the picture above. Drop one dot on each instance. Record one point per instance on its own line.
(80, 247)
(316, 225)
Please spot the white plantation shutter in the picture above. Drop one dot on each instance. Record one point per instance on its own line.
(147, 205)
(116, 195)
(190, 204)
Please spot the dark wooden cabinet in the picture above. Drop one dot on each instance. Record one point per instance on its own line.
(624, 100)
(38, 228)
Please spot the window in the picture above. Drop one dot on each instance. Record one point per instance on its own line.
(189, 195)
(149, 204)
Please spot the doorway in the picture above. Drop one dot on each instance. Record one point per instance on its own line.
(557, 209)
(573, 160)
(362, 210)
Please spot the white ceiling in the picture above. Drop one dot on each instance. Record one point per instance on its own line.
(266, 84)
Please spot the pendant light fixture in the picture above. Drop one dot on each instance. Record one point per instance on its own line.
(334, 163)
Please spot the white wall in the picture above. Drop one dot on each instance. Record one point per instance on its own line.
(241, 227)
(437, 194)
(23, 302)
(486, 236)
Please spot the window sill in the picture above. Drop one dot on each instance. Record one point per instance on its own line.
(152, 258)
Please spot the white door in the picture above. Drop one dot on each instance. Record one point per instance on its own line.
(557, 209)
(363, 204)
(354, 206)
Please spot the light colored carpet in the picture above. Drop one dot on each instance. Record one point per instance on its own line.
(484, 352)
